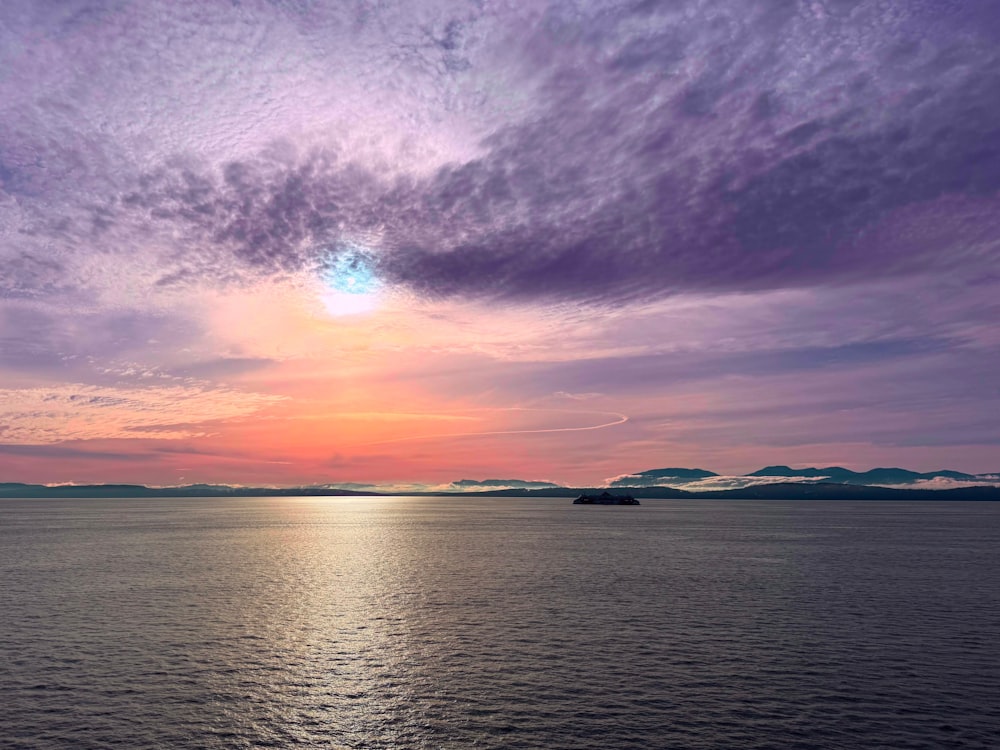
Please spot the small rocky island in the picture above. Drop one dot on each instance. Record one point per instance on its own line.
(605, 498)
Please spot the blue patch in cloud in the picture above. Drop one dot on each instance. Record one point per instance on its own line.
(351, 270)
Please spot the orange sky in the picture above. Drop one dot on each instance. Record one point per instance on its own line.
(272, 386)
(431, 241)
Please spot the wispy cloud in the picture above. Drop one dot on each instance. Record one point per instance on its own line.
(946, 483)
(81, 412)
(695, 484)
(616, 419)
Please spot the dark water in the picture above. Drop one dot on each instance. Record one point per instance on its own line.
(463, 623)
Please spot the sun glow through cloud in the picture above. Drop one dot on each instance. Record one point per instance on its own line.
(351, 286)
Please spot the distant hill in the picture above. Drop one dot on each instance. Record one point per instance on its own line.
(140, 491)
(774, 491)
(848, 487)
(873, 476)
(836, 491)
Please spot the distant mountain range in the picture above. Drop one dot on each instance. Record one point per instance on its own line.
(874, 476)
(765, 484)
(833, 474)
(18, 489)
(776, 491)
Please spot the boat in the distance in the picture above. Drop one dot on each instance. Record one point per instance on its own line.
(605, 498)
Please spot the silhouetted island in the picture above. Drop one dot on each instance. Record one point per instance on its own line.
(605, 498)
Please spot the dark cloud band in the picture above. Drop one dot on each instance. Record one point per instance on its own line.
(805, 135)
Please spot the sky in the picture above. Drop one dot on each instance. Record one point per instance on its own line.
(293, 242)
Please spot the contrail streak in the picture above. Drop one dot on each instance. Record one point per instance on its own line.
(618, 419)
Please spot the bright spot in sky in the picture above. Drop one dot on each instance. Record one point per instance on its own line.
(350, 284)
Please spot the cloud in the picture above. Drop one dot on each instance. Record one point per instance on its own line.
(62, 337)
(222, 367)
(704, 485)
(462, 485)
(57, 452)
(576, 396)
(83, 412)
(609, 419)
(474, 485)
(946, 483)
(655, 149)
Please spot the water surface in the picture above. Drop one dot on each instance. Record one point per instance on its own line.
(496, 623)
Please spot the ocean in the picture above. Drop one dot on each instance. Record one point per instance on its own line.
(403, 622)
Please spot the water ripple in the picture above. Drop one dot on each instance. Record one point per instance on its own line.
(458, 623)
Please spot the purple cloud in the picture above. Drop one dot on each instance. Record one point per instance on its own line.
(659, 149)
